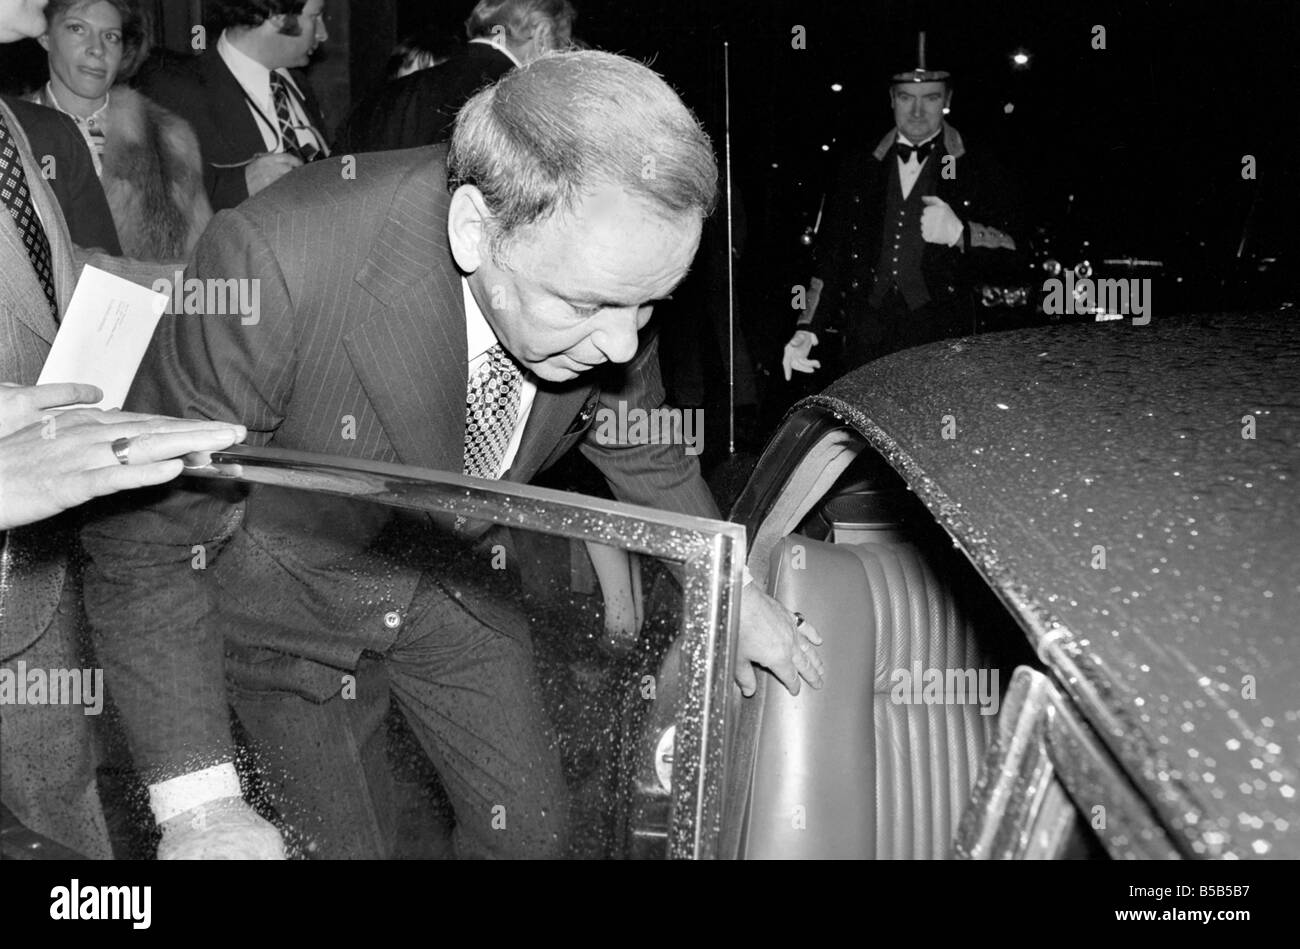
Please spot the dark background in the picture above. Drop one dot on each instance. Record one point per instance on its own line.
(1149, 132)
(1139, 145)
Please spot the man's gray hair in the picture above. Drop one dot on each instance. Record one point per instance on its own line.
(550, 133)
(519, 18)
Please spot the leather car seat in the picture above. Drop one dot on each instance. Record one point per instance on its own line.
(845, 772)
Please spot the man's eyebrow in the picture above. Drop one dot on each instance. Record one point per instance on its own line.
(582, 300)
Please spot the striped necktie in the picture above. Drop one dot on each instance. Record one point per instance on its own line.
(491, 410)
(284, 116)
(17, 198)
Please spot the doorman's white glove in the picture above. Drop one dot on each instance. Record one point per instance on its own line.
(796, 353)
(939, 225)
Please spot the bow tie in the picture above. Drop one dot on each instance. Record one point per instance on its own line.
(904, 151)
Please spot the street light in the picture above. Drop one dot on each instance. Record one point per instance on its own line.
(1020, 58)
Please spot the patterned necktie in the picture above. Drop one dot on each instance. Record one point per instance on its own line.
(284, 115)
(17, 198)
(491, 410)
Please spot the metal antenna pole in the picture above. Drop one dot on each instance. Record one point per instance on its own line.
(731, 286)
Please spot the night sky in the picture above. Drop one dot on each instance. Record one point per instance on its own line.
(1148, 134)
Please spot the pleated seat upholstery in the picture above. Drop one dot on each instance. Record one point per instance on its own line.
(850, 771)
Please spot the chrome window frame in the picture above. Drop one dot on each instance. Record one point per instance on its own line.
(1042, 777)
(711, 553)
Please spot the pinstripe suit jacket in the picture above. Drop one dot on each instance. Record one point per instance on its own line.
(33, 561)
(360, 351)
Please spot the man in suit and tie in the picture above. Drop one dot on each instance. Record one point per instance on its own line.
(464, 314)
(420, 109)
(246, 97)
(48, 463)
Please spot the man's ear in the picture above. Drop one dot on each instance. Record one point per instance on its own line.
(467, 224)
(44, 40)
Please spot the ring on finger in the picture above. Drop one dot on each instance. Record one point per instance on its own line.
(122, 450)
(799, 620)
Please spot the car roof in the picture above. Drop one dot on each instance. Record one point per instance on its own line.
(1104, 480)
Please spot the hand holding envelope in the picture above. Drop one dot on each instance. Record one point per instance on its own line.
(54, 452)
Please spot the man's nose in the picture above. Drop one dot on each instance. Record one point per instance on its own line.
(617, 338)
(322, 31)
(95, 45)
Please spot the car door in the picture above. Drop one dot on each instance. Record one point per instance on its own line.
(691, 570)
(527, 557)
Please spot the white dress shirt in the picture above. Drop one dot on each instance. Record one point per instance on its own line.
(910, 170)
(176, 795)
(256, 82)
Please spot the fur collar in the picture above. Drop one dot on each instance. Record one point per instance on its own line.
(153, 177)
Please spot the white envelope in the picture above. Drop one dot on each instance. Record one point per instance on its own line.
(104, 335)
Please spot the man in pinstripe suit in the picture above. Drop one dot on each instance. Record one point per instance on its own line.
(388, 304)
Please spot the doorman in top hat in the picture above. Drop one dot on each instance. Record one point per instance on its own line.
(906, 218)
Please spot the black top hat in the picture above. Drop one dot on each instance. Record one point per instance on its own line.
(921, 73)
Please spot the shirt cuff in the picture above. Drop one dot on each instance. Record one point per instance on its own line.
(178, 795)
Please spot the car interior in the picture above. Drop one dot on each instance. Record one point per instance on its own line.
(873, 765)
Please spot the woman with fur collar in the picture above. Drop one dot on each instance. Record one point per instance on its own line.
(148, 159)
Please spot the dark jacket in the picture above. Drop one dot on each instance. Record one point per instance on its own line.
(362, 313)
(74, 183)
(420, 109)
(205, 93)
(848, 247)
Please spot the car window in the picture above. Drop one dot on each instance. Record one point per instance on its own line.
(614, 621)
